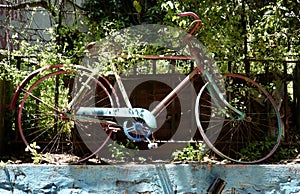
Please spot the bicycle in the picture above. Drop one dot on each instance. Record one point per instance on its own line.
(236, 117)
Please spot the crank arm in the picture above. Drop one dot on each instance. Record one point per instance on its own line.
(141, 113)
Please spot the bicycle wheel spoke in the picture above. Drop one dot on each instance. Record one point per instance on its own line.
(246, 139)
(46, 118)
(41, 101)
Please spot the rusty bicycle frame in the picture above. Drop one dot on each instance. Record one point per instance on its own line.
(144, 114)
(149, 117)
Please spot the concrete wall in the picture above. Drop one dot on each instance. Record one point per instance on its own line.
(156, 178)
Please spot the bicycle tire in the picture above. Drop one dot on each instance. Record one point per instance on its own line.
(43, 118)
(252, 139)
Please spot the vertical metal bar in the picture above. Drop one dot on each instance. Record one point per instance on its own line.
(285, 99)
(244, 26)
(154, 67)
(229, 67)
(173, 62)
(135, 69)
(56, 101)
(297, 94)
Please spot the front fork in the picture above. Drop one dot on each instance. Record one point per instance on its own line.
(218, 98)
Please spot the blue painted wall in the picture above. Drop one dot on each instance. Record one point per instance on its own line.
(156, 178)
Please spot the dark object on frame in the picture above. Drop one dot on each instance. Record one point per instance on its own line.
(216, 186)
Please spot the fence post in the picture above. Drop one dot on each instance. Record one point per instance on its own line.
(297, 95)
(2, 114)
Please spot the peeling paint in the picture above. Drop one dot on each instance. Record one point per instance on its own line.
(155, 178)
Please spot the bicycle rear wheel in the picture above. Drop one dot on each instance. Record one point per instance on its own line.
(249, 139)
(46, 122)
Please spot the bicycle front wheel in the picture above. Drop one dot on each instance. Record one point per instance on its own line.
(46, 121)
(250, 137)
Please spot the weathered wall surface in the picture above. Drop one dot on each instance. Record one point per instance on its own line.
(156, 178)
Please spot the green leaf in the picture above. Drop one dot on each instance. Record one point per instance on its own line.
(137, 6)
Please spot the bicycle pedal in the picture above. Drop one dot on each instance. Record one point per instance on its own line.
(152, 146)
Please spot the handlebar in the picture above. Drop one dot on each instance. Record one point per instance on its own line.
(197, 21)
(192, 14)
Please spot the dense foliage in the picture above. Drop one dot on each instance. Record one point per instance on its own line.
(246, 36)
(237, 31)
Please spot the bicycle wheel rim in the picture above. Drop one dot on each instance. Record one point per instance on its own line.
(252, 123)
(59, 117)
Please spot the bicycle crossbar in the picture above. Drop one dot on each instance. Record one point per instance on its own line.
(141, 113)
